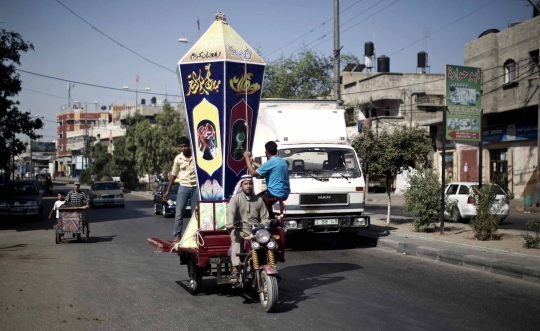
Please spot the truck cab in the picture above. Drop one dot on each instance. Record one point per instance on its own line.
(327, 184)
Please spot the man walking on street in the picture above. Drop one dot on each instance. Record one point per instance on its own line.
(183, 168)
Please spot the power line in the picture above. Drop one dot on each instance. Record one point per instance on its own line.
(513, 81)
(95, 85)
(318, 26)
(116, 42)
(352, 25)
(444, 27)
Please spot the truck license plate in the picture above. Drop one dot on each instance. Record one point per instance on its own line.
(332, 221)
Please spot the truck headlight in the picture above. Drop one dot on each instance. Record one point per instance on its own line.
(31, 203)
(170, 202)
(121, 195)
(2, 204)
(291, 224)
(359, 222)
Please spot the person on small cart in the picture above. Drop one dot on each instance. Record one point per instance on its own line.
(77, 198)
(249, 208)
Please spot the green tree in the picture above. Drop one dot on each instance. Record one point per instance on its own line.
(305, 75)
(171, 126)
(391, 153)
(486, 221)
(423, 199)
(101, 161)
(123, 164)
(147, 156)
(12, 121)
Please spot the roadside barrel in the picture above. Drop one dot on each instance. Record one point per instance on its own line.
(528, 201)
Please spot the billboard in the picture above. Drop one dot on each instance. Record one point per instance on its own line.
(41, 146)
(463, 103)
(221, 79)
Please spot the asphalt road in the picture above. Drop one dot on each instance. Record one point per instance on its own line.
(118, 282)
(514, 221)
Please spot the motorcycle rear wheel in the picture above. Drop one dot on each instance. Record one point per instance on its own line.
(269, 292)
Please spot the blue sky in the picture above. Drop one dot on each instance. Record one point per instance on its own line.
(66, 47)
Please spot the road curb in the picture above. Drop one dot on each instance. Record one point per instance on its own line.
(500, 267)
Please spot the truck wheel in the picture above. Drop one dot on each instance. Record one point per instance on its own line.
(269, 293)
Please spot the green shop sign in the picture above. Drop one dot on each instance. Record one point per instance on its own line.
(463, 103)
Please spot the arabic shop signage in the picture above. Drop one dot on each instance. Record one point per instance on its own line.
(510, 132)
(463, 103)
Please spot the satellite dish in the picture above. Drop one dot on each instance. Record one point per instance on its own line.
(103, 107)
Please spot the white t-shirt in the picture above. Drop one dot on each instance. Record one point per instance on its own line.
(57, 205)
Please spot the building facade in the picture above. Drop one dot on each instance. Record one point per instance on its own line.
(70, 143)
(510, 69)
(382, 100)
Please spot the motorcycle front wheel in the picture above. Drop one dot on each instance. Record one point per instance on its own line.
(269, 292)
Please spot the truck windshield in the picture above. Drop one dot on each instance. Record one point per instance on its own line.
(321, 162)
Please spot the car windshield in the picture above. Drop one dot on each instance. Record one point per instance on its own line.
(500, 191)
(321, 162)
(106, 186)
(19, 189)
(174, 188)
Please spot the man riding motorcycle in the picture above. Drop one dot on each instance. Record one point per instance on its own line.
(249, 208)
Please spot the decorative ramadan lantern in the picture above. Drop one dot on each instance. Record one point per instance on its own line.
(221, 78)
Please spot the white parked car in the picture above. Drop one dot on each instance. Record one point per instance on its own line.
(462, 193)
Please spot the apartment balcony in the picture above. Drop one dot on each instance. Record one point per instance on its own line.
(75, 146)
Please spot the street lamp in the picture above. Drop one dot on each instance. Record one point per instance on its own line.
(185, 41)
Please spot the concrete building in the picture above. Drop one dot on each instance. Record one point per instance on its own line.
(510, 65)
(70, 143)
(382, 100)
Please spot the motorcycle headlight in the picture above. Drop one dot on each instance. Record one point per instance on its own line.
(31, 203)
(271, 245)
(255, 245)
(170, 202)
(262, 236)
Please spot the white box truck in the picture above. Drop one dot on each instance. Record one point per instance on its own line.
(327, 184)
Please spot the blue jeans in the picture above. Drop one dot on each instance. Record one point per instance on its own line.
(185, 193)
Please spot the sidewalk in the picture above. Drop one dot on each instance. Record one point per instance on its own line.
(457, 247)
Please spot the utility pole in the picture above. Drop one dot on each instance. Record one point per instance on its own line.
(443, 179)
(337, 51)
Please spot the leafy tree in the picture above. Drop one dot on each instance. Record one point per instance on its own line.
(147, 157)
(307, 75)
(12, 121)
(101, 161)
(171, 126)
(391, 153)
(122, 164)
(486, 222)
(423, 199)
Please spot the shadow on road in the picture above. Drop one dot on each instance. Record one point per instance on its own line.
(301, 278)
(93, 240)
(296, 280)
